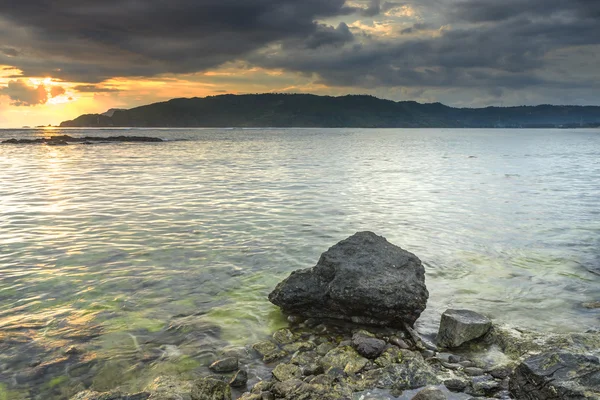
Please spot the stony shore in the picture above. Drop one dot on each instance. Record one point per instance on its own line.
(317, 359)
(351, 336)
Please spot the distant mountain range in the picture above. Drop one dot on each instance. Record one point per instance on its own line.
(354, 111)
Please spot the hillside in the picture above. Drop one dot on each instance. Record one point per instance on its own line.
(305, 110)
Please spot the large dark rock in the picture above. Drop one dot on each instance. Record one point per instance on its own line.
(363, 279)
(556, 376)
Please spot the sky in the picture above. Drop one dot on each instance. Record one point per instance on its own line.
(63, 58)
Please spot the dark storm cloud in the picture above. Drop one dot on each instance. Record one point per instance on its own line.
(327, 35)
(94, 89)
(486, 44)
(87, 40)
(377, 7)
(511, 52)
(485, 11)
(9, 51)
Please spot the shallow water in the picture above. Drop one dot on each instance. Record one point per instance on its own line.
(149, 257)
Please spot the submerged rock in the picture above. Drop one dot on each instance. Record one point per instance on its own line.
(461, 326)
(210, 389)
(169, 388)
(430, 393)
(61, 140)
(228, 364)
(363, 279)
(269, 351)
(240, 379)
(114, 395)
(555, 376)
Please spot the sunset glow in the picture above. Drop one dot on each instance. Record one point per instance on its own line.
(461, 54)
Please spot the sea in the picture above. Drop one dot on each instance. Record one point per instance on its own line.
(121, 262)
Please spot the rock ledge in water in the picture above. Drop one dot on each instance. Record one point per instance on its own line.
(555, 376)
(363, 279)
(61, 140)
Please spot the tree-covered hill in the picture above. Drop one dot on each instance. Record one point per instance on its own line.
(305, 110)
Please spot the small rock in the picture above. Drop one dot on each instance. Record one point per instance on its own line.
(455, 384)
(303, 358)
(267, 396)
(113, 395)
(485, 386)
(345, 359)
(368, 347)
(265, 347)
(210, 389)
(396, 341)
(501, 372)
(283, 336)
(460, 326)
(428, 353)
(240, 379)
(229, 364)
(285, 388)
(428, 344)
(474, 371)
(389, 356)
(262, 386)
(169, 388)
(269, 351)
(324, 348)
(451, 365)
(312, 369)
(284, 372)
(454, 359)
(430, 393)
(467, 364)
(298, 346)
(276, 355)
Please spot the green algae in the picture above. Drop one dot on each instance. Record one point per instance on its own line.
(59, 380)
(6, 394)
(246, 316)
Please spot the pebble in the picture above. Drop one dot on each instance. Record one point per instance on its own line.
(396, 341)
(428, 353)
(451, 366)
(454, 359)
(267, 396)
(500, 372)
(240, 379)
(455, 385)
(430, 393)
(473, 371)
(229, 364)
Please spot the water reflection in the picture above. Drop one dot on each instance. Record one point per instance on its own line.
(148, 258)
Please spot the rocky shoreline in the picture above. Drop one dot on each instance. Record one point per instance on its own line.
(342, 344)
